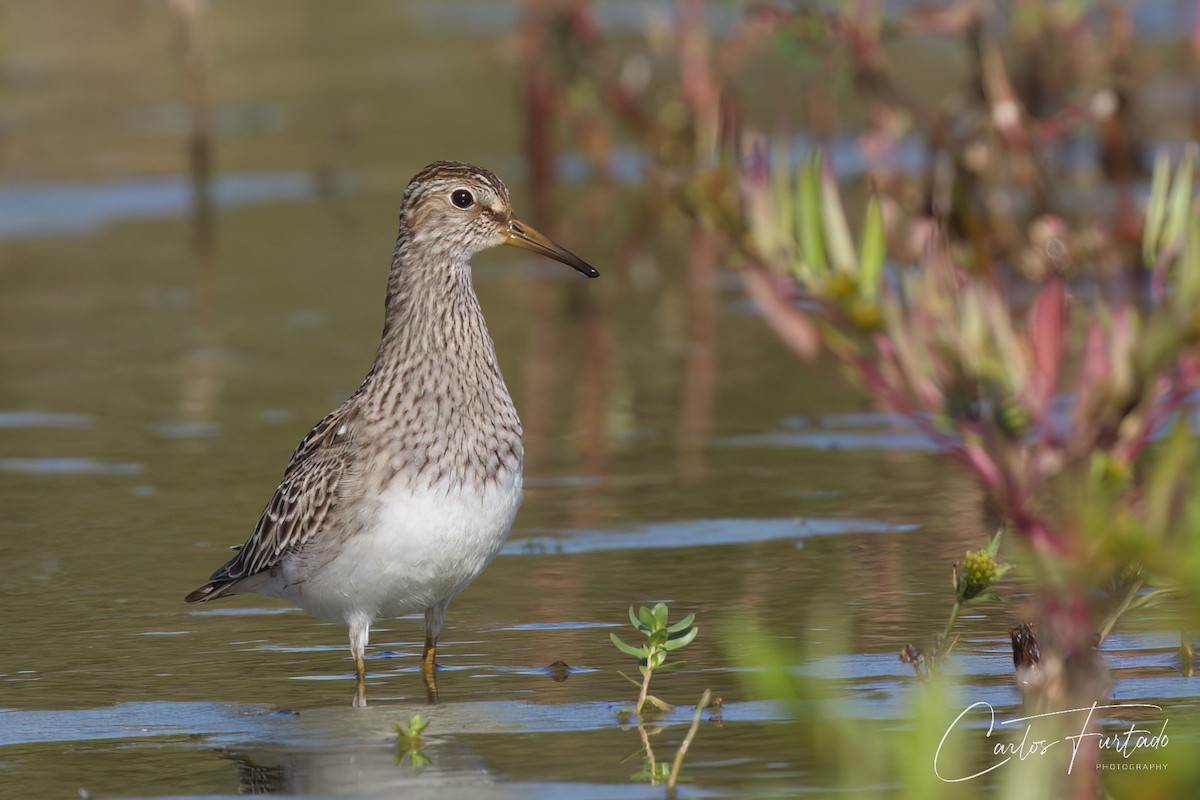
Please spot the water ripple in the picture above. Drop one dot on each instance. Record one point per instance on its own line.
(66, 466)
(696, 533)
(40, 209)
(43, 419)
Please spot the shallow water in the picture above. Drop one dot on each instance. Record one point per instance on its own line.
(151, 396)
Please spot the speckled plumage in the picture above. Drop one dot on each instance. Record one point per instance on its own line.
(398, 499)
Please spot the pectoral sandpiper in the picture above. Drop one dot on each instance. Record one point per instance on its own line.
(397, 500)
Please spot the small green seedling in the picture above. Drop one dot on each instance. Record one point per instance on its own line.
(655, 772)
(409, 741)
(974, 577)
(412, 731)
(661, 639)
(979, 571)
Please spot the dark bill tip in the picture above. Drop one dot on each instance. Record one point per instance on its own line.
(521, 235)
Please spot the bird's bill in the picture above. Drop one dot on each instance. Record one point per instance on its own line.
(521, 235)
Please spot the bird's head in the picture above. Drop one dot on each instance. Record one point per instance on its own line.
(464, 209)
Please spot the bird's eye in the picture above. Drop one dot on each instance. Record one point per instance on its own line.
(462, 198)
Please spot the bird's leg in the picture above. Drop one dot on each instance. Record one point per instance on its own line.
(433, 626)
(360, 681)
(359, 631)
(429, 669)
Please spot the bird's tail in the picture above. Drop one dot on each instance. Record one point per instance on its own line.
(211, 591)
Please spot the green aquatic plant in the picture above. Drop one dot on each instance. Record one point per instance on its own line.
(980, 570)
(412, 731)
(409, 741)
(1064, 439)
(681, 753)
(1056, 407)
(974, 577)
(653, 771)
(932, 753)
(661, 639)
(658, 772)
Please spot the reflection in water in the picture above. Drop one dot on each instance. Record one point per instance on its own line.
(195, 43)
(201, 364)
(540, 374)
(444, 768)
(591, 407)
(539, 100)
(700, 371)
(542, 351)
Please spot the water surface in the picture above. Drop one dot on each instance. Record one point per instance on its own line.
(151, 395)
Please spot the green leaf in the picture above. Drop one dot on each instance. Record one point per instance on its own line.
(808, 211)
(647, 618)
(874, 245)
(633, 618)
(634, 681)
(1189, 267)
(659, 704)
(1156, 209)
(683, 624)
(781, 197)
(1179, 202)
(1150, 598)
(682, 641)
(660, 616)
(636, 652)
(837, 231)
(993, 543)
(413, 729)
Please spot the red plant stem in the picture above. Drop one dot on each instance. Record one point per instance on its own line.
(541, 103)
(1168, 403)
(793, 327)
(798, 331)
(997, 480)
(1047, 339)
(699, 88)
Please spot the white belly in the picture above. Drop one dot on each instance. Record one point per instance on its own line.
(416, 550)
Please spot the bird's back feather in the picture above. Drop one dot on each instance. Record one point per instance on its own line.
(299, 507)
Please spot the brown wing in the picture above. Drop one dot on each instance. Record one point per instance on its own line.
(300, 506)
